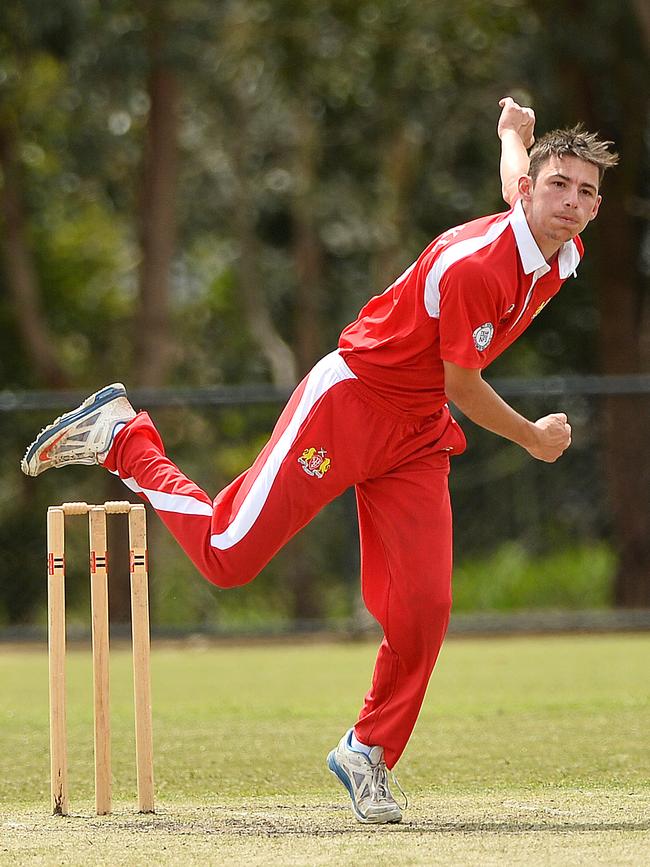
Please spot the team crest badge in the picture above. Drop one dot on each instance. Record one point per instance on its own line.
(315, 462)
(483, 336)
(540, 308)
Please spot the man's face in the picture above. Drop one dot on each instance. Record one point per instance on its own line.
(563, 199)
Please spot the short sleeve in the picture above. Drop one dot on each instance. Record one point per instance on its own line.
(468, 317)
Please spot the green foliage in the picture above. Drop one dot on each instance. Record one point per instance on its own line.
(280, 101)
(511, 578)
(367, 128)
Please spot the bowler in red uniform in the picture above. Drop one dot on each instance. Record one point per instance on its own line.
(374, 414)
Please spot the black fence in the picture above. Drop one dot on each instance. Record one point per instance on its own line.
(528, 536)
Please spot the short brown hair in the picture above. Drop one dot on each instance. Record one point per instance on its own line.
(574, 142)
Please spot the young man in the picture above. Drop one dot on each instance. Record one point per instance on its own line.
(374, 414)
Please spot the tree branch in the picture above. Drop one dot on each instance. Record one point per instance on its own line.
(21, 272)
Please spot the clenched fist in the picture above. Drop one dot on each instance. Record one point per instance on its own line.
(551, 437)
(518, 119)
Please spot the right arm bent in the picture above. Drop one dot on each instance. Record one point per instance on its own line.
(546, 439)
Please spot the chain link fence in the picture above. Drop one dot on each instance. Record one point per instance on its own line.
(530, 538)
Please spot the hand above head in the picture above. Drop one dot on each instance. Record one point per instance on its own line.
(518, 119)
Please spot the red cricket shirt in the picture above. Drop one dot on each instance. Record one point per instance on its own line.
(470, 294)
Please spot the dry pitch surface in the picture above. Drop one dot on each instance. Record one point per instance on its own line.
(563, 827)
(528, 751)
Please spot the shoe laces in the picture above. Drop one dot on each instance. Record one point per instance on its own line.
(379, 784)
(403, 793)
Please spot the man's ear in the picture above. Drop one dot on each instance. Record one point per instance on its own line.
(594, 213)
(525, 187)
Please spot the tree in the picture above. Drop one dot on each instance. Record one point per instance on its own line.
(207, 193)
(31, 65)
(599, 80)
(157, 207)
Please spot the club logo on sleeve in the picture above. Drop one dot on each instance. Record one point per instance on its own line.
(483, 336)
(315, 462)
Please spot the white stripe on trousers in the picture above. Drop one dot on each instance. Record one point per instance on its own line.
(329, 371)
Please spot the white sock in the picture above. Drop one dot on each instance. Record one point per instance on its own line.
(358, 746)
(118, 427)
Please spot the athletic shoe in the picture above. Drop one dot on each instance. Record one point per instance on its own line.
(82, 436)
(366, 779)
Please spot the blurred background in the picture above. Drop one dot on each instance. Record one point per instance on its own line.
(196, 197)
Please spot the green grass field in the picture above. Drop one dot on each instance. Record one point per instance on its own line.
(528, 751)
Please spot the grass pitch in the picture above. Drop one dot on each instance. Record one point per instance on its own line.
(528, 751)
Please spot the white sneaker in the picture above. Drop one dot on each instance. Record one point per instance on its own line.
(81, 436)
(366, 779)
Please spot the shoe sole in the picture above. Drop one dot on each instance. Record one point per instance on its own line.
(342, 777)
(91, 404)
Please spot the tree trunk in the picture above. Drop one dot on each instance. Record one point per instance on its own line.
(628, 458)
(626, 417)
(22, 279)
(399, 172)
(308, 258)
(306, 601)
(153, 339)
(280, 358)
(642, 11)
(307, 248)
(279, 355)
(623, 298)
(157, 210)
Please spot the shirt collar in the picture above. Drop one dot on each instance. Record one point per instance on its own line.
(530, 254)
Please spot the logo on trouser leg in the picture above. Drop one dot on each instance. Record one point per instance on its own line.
(315, 462)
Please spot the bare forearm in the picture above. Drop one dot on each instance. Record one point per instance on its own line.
(513, 164)
(516, 129)
(545, 439)
(480, 403)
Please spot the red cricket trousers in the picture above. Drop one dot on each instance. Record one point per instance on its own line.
(332, 434)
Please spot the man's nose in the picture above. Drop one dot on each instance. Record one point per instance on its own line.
(571, 198)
